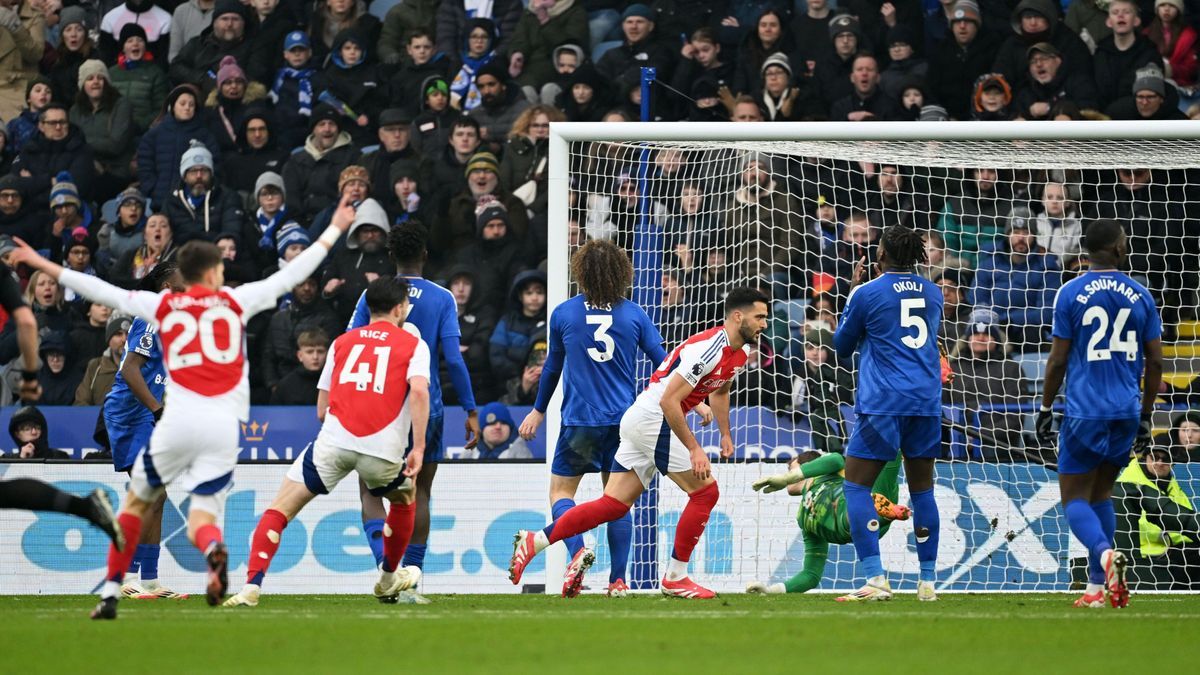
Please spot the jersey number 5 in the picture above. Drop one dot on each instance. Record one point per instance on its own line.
(1116, 343)
(602, 323)
(360, 375)
(910, 320)
(190, 327)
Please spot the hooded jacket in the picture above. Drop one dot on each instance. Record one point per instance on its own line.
(536, 41)
(311, 176)
(595, 109)
(162, 147)
(406, 88)
(513, 447)
(202, 55)
(476, 321)
(1011, 60)
(495, 262)
(225, 116)
(496, 118)
(243, 167)
(279, 345)
(453, 25)
(351, 264)
(362, 86)
(431, 129)
(97, 379)
(515, 333)
(42, 449)
(145, 86)
(1115, 70)
(45, 158)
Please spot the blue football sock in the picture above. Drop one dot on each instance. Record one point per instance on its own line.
(573, 543)
(147, 556)
(864, 528)
(374, 530)
(620, 536)
(926, 518)
(1108, 523)
(414, 555)
(1086, 527)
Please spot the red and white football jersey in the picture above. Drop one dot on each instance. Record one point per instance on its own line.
(367, 375)
(706, 361)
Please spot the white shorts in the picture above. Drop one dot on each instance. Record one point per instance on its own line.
(192, 451)
(322, 466)
(649, 445)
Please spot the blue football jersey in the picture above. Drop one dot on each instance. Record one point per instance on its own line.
(894, 322)
(1108, 317)
(143, 339)
(600, 345)
(435, 316)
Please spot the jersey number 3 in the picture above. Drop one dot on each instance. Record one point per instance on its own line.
(1116, 342)
(602, 322)
(910, 320)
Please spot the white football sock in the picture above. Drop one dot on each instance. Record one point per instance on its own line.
(1093, 589)
(111, 589)
(676, 570)
(540, 541)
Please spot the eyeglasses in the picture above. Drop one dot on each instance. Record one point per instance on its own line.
(9, 196)
(55, 123)
(539, 125)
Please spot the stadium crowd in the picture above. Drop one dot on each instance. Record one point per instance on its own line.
(134, 127)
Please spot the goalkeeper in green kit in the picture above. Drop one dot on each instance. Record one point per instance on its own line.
(817, 479)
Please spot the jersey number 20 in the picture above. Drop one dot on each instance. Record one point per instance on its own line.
(1117, 342)
(191, 328)
(910, 320)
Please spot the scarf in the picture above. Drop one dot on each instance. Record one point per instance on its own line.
(303, 77)
(125, 64)
(463, 85)
(269, 226)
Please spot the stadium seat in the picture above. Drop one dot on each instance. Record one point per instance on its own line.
(1033, 368)
(379, 8)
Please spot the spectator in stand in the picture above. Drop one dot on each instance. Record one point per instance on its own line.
(405, 19)
(522, 324)
(1018, 281)
(1033, 22)
(785, 98)
(29, 432)
(89, 339)
(543, 26)
(701, 61)
(102, 370)
(75, 47)
(125, 233)
(904, 67)
(411, 73)
(199, 60)
(20, 217)
(190, 19)
(59, 375)
(456, 19)
(1089, 20)
(476, 321)
(476, 52)
(522, 389)
(290, 241)
(494, 255)
(766, 223)
(239, 269)
(639, 48)
(258, 152)
(226, 104)
(431, 127)
(975, 218)
(957, 63)
(820, 388)
(1176, 40)
(292, 96)
(893, 200)
(810, 30)
(1182, 442)
(745, 109)
(354, 182)
(992, 98)
(69, 213)
(770, 36)
(80, 249)
(22, 44)
(692, 222)
(866, 101)
(587, 96)
(162, 147)
(1049, 84)
(273, 21)
(523, 171)
(1121, 54)
(938, 259)
(877, 18)
(331, 17)
(157, 246)
(307, 312)
(353, 85)
(23, 126)
(1156, 518)
(311, 176)
(155, 20)
(45, 297)
(985, 376)
(299, 387)
(766, 381)
(141, 82)
(57, 146)
(501, 102)
(498, 437)
(200, 208)
(106, 119)
(567, 58)
(956, 311)
(858, 238)
(405, 201)
(1150, 99)
(483, 179)
(1059, 226)
(833, 69)
(363, 259)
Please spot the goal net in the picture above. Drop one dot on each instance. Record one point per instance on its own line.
(1002, 218)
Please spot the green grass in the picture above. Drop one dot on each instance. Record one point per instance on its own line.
(539, 634)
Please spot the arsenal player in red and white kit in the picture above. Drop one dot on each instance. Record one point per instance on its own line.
(195, 444)
(374, 404)
(655, 436)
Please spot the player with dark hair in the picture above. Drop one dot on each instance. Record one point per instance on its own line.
(130, 410)
(373, 392)
(893, 321)
(1107, 337)
(655, 436)
(433, 317)
(595, 337)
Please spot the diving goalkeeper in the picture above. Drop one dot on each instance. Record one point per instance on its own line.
(822, 515)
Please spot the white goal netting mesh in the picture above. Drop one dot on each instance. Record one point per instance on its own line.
(1003, 222)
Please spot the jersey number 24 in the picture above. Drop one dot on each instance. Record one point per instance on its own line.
(1117, 342)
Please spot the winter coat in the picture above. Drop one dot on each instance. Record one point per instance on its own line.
(311, 176)
(879, 104)
(970, 221)
(279, 343)
(20, 53)
(476, 321)
(1125, 108)
(188, 22)
(1115, 69)
(899, 75)
(1076, 88)
(496, 263)
(64, 76)
(243, 167)
(378, 164)
(59, 388)
(909, 14)
(1182, 57)
(431, 132)
(110, 134)
(266, 48)
(992, 380)
(224, 118)
(1060, 237)
(536, 41)
(202, 55)
(45, 159)
(750, 56)
(221, 212)
(298, 387)
(459, 227)
(362, 87)
(86, 341)
(403, 18)
(496, 121)
(769, 228)
(833, 78)
(144, 86)
(514, 335)
(97, 379)
(452, 23)
(31, 222)
(42, 447)
(291, 126)
(1012, 61)
(524, 161)
(160, 150)
(1021, 294)
(1088, 15)
(626, 59)
(407, 85)
(324, 35)
(954, 69)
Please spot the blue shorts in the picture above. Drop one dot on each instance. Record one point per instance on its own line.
(127, 439)
(435, 449)
(586, 450)
(1085, 444)
(881, 437)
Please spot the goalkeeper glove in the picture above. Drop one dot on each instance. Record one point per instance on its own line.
(778, 481)
(1042, 426)
(1142, 442)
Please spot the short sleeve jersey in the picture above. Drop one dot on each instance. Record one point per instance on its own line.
(706, 361)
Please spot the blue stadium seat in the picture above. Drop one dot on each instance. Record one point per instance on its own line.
(1033, 367)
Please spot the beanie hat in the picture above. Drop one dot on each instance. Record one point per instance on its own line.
(131, 194)
(482, 161)
(291, 234)
(117, 324)
(224, 7)
(639, 10)
(489, 210)
(844, 23)
(63, 191)
(496, 69)
(900, 34)
(778, 59)
(72, 14)
(1177, 4)
(1149, 78)
(354, 172)
(92, 67)
(324, 112)
(131, 30)
(269, 179)
(229, 69)
(933, 113)
(40, 79)
(403, 169)
(967, 10)
(196, 155)
(81, 237)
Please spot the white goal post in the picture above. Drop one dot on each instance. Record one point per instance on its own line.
(762, 190)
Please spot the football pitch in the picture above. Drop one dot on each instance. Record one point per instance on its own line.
(592, 634)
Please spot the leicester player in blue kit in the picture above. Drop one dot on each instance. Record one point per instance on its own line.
(130, 410)
(893, 322)
(595, 338)
(1106, 338)
(434, 317)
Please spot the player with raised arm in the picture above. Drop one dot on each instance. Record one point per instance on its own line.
(1106, 338)
(819, 482)
(595, 338)
(130, 410)
(433, 315)
(195, 444)
(373, 391)
(655, 436)
(893, 322)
